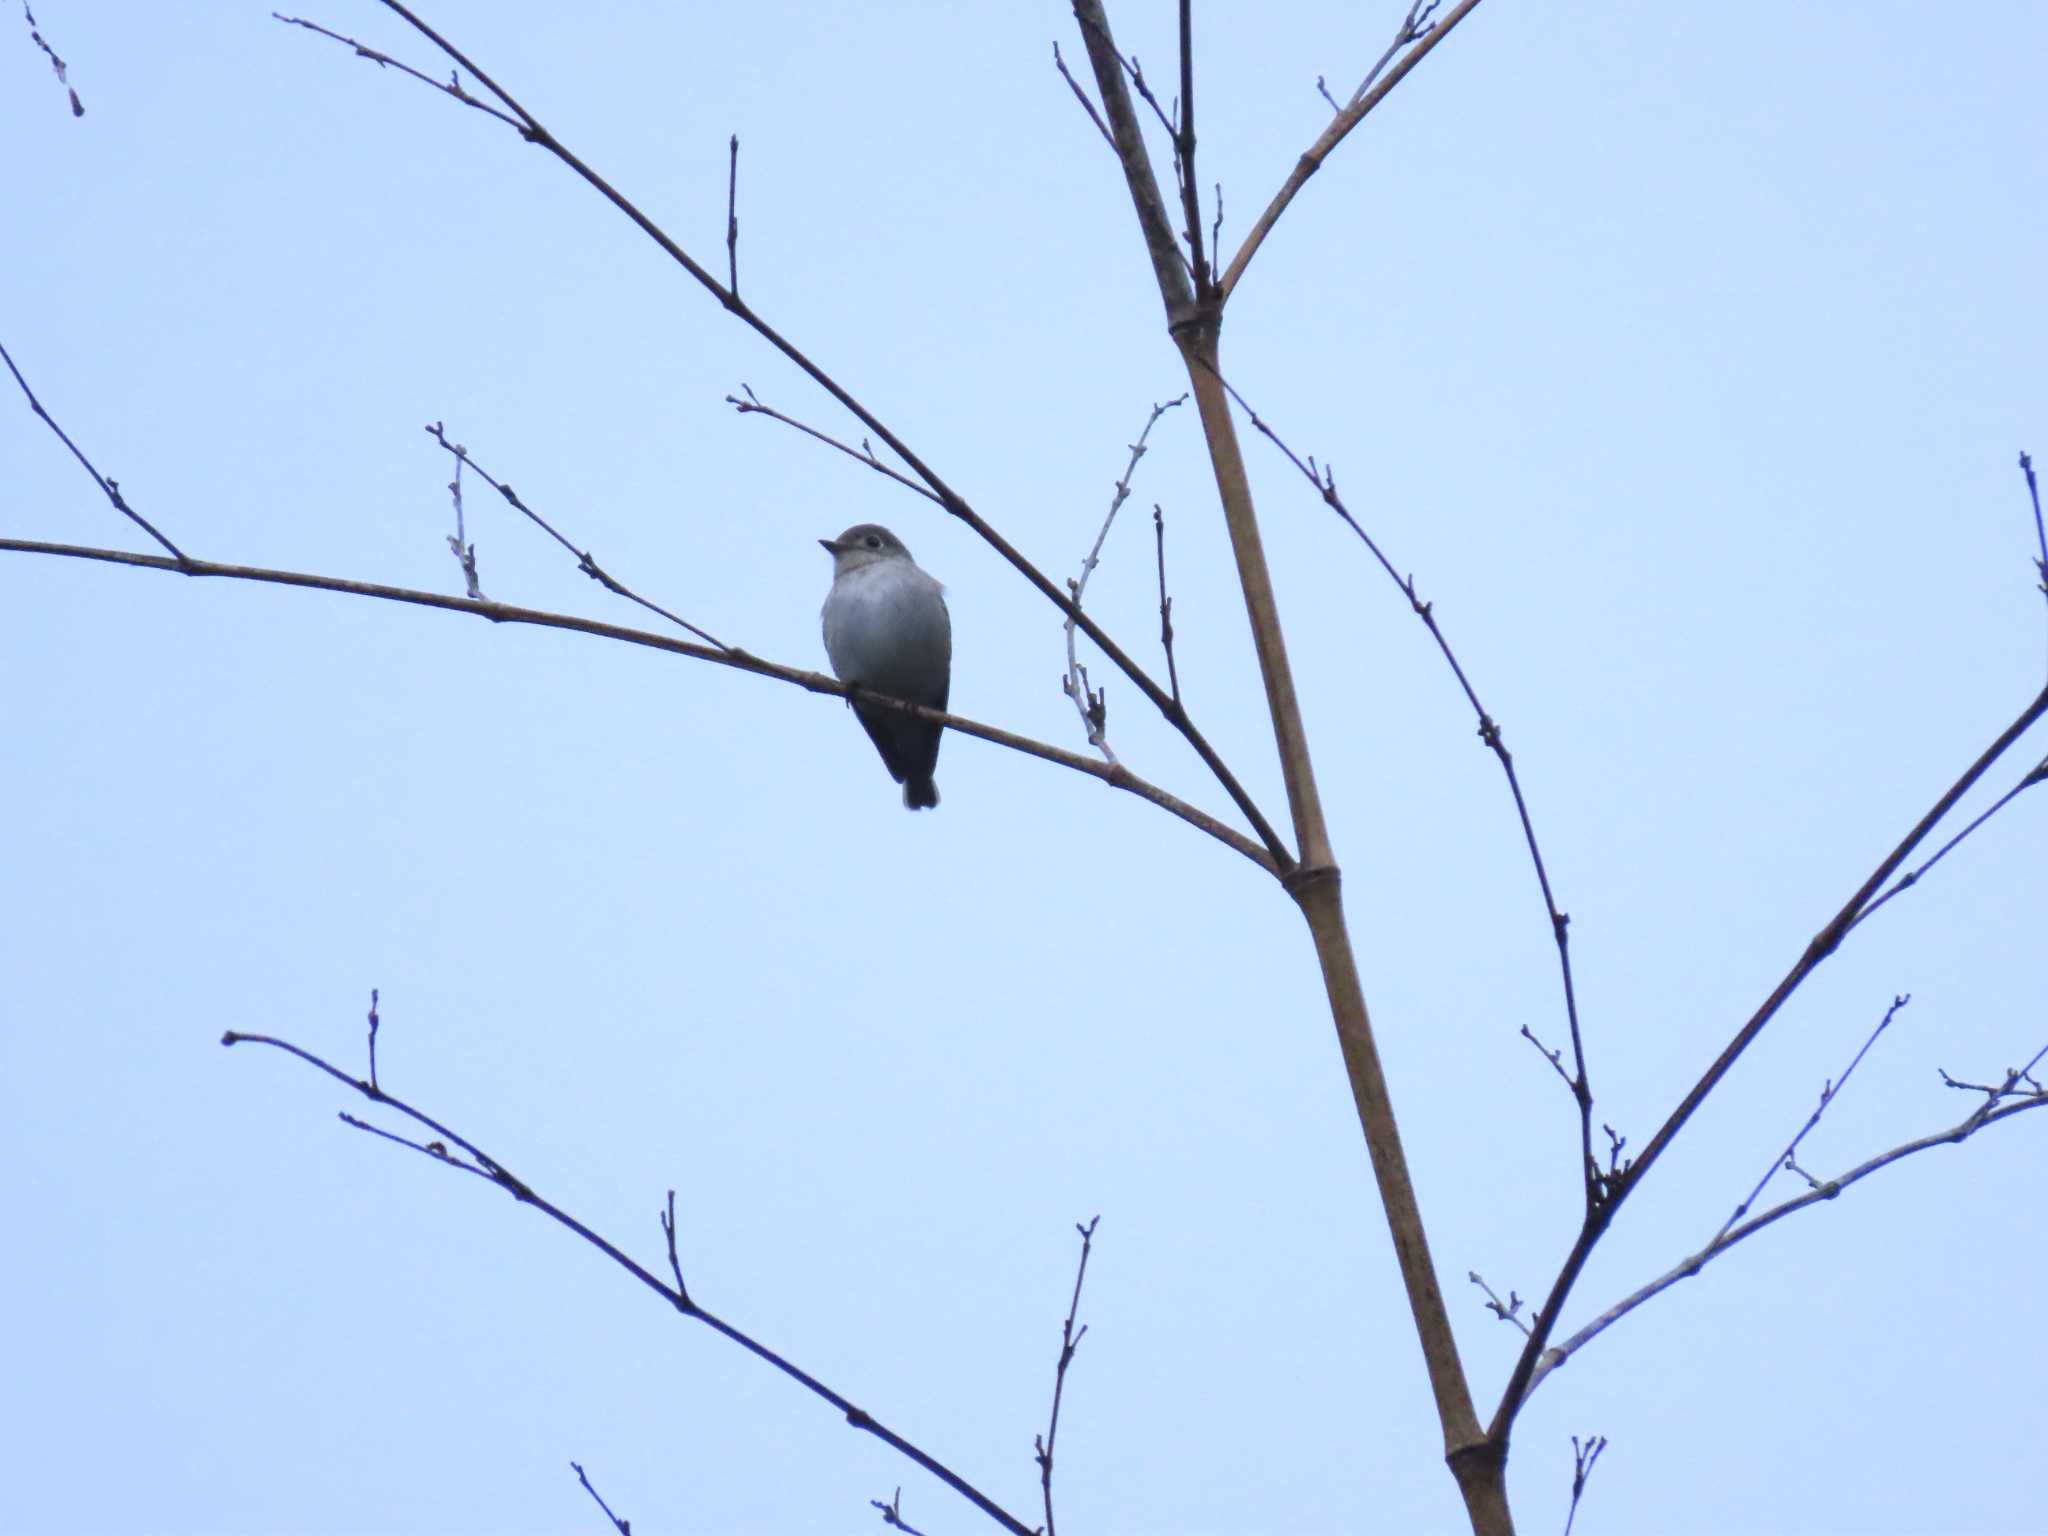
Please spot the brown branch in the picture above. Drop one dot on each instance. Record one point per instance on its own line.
(111, 489)
(1993, 1110)
(1348, 117)
(1081, 96)
(484, 1165)
(533, 131)
(1579, 1079)
(1069, 1342)
(1117, 777)
(1316, 884)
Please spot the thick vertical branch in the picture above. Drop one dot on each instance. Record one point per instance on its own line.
(1192, 317)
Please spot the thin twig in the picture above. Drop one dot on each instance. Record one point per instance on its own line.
(533, 131)
(752, 406)
(1367, 96)
(56, 62)
(1069, 1342)
(1117, 777)
(373, 1037)
(1536, 1354)
(1184, 159)
(1579, 1079)
(584, 562)
(1911, 877)
(475, 1160)
(1828, 1091)
(2001, 1104)
(1165, 602)
(458, 541)
(2040, 530)
(892, 1513)
(623, 1527)
(1584, 1454)
(451, 87)
(1081, 96)
(110, 488)
(1092, 704)
(732, 219)
(1508, 1311)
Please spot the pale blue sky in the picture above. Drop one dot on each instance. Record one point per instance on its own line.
(1683, 353)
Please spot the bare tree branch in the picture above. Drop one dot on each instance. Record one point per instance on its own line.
(621, 1526)
(1584, 1454)
(1165, 602)
(1070, 1340)
(1348, 117)
(1579, 1079)
(533, 131)
(1828, 1091)
(1092, 704)
(1521, 1379)
(2002, 1103)
(584, 562)
(1116, 776)
(56, 63)
(111, 489)
(1081, 96)
(469, 1157)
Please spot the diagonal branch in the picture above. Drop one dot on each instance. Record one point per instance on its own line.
(1324, 479)
(111, 489)
(1823, 944)
(2002, 1104)
(1117, 776)
(1349, 116)
(584, 562)
(533, 131)
(482, 1163)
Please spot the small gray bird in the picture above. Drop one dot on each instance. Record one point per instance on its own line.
(887, 630)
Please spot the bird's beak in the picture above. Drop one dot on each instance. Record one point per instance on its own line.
(832, 546)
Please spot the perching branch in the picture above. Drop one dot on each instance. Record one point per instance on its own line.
(1116, 776)
(456, 1151)
(534, 132)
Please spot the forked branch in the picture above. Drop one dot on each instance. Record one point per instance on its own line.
(451, 1149)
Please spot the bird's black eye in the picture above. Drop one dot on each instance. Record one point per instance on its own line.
(872, 542)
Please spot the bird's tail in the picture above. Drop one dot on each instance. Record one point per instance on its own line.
(920, 794)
